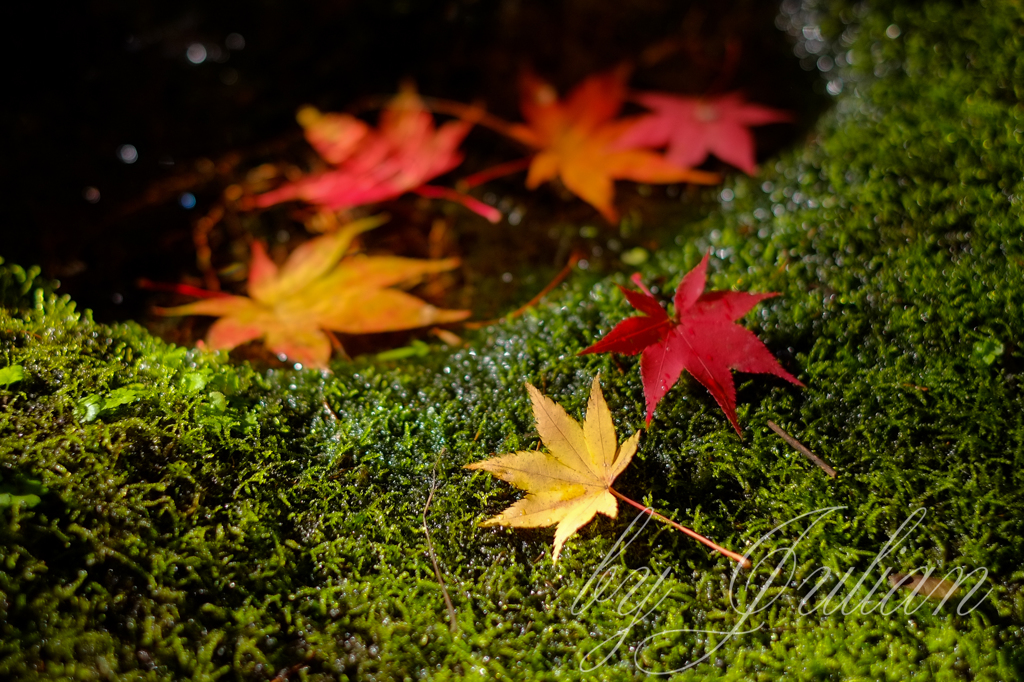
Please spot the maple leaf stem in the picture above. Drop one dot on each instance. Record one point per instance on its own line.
(740, 559)
(573, 259)
(733, 49)
(185, 289)
(466, 112)
(469, 112)
(480, 208)
(201, 239)
(336, 344)
(498, 171)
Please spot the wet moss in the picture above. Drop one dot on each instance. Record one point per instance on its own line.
(196, 518)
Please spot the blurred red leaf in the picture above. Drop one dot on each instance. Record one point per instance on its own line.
(702, 338)
(372, 165)
(694, 127)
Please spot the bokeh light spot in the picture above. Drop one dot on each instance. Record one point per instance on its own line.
(128, 153)
(196, 53)
(638, 255)
(187, 200)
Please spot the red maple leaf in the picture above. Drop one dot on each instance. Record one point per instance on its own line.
(371, 165)
(702, 338)
(694, 127)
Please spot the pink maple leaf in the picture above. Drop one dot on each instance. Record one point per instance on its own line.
(694, 127)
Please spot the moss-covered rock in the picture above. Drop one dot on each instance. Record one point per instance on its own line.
(165, 514)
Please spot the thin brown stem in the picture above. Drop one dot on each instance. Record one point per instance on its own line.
(573, 259)
(802, 449)
(201, 239)
(738, 558)
(733, 49)
(470, 112)
(467, 112)
(453, 622)
(330, 410)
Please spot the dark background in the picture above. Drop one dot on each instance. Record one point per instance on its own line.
(86, 78)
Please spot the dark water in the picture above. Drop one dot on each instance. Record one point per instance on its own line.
(129, 118)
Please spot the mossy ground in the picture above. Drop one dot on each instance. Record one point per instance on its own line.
(199, 519)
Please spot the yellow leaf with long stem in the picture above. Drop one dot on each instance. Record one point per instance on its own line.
(569, 485)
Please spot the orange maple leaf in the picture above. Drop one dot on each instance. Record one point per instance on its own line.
(372, 165)
(320, 288)
(576, 139)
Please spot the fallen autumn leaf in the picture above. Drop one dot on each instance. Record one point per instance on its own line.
(694, 127)
(319, 288)
(401, 155)
(571, 484)
(576, 141)
(702, 338)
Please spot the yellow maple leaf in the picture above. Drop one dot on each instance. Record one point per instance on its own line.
(320, 288)
(571, 483)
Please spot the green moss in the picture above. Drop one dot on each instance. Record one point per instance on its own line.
(198, 519)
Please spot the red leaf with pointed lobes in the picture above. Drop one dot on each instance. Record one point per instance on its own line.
(376, 164)
(703, 339)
